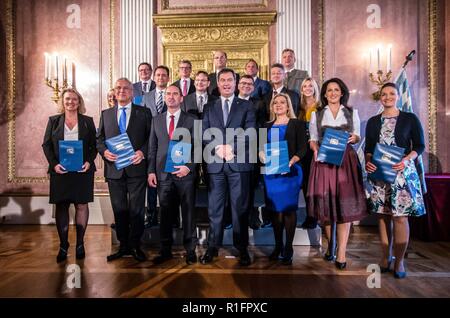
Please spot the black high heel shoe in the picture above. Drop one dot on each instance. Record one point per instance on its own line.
(62, 255)
(287, 257)
(80, 253)
(329, 257)
(276, 254)
(340, 265)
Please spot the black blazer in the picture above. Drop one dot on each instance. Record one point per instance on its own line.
(408, 133)
(189, 104)
(295, 137)
(159, 143)
(138, 131)
(55, 132)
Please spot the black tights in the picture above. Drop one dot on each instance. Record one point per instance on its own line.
(62, 222)
(288, 221)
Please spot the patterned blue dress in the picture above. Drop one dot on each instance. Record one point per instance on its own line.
(404, 196)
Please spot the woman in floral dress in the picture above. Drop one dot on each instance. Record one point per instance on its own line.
(395, 202)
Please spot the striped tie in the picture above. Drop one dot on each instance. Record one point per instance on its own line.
(159, 103)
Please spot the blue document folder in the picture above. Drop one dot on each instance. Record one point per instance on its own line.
(71, 154)
(137, 100)
(277, 158)
(178, 154)
(333, 146)
(120, 145)
(384, 157)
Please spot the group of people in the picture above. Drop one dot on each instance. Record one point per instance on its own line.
(291, 107)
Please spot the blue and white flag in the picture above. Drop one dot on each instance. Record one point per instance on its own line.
(404, 103)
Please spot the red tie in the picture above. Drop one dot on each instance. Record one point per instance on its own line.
(171, 126)
(184, 88)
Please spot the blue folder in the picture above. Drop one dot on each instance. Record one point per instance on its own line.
(277, 158)
(71, 154)
(120, 145)
(178, 154)
(137, 100)
(333, 146)
(384, 157)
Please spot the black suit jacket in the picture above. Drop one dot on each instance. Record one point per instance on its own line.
(189, 104)
(138, 131)
(55, 132)
(241, 115)
(263, 113)
(408, 133)
(191, 87)
(159, 143)
(295, 137)
(137, 88)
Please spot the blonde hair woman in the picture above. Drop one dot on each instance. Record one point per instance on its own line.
(282, 189)
(71, 187)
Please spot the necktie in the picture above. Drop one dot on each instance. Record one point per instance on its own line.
(274, 93)
(171, 126)
(145, 88)
(184, 88)
(123, 121)
(200, 104)
(159, 103)
(225, 112)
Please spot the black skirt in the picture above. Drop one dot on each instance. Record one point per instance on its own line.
(72, 187)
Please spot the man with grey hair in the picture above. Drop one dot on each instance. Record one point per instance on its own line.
(126, 186)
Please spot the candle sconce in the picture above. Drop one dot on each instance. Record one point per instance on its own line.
(379, 80)
(52, 78)
(380, 77)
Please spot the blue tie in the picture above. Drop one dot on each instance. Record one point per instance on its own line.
(225, 112)
(123, 121)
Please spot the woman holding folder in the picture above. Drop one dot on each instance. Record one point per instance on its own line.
(335, 194)
(394, 202)
(282, 190)
(68, 187)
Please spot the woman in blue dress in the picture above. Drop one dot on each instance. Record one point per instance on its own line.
(282, 190)
(395, 202)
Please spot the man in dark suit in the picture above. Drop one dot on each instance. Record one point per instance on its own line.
(246, 88)
(126, 186)
(261, 87)
(228, 164)
(185, 83)
(220, 62)
(177, 186)
(277, 76)
(195, 102)
(154, 100)
(145, 84)
(294, 77)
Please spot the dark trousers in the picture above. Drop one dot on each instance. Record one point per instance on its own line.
(128, 204)
(151, 202)
(237, 186)
(174, 192)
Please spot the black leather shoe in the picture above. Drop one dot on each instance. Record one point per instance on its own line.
(340, 265)
(62, 255)
(191, 258)
(266, 224)
(80, 253)
(162, 257)
(119, 254)
(138, 254)
(244, 258)
(208, 257)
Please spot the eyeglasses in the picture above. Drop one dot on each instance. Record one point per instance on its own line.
(185, 67)
(245, 84)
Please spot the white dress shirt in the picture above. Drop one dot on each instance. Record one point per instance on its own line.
(127, 111)
(246, 98)
(148, 86)
(70, 134)
(157, 92)
(328, 120)
(230, 101)
(205, 100)
(177, 117)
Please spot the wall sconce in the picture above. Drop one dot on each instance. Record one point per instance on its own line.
(52, 79)
(380, 78)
